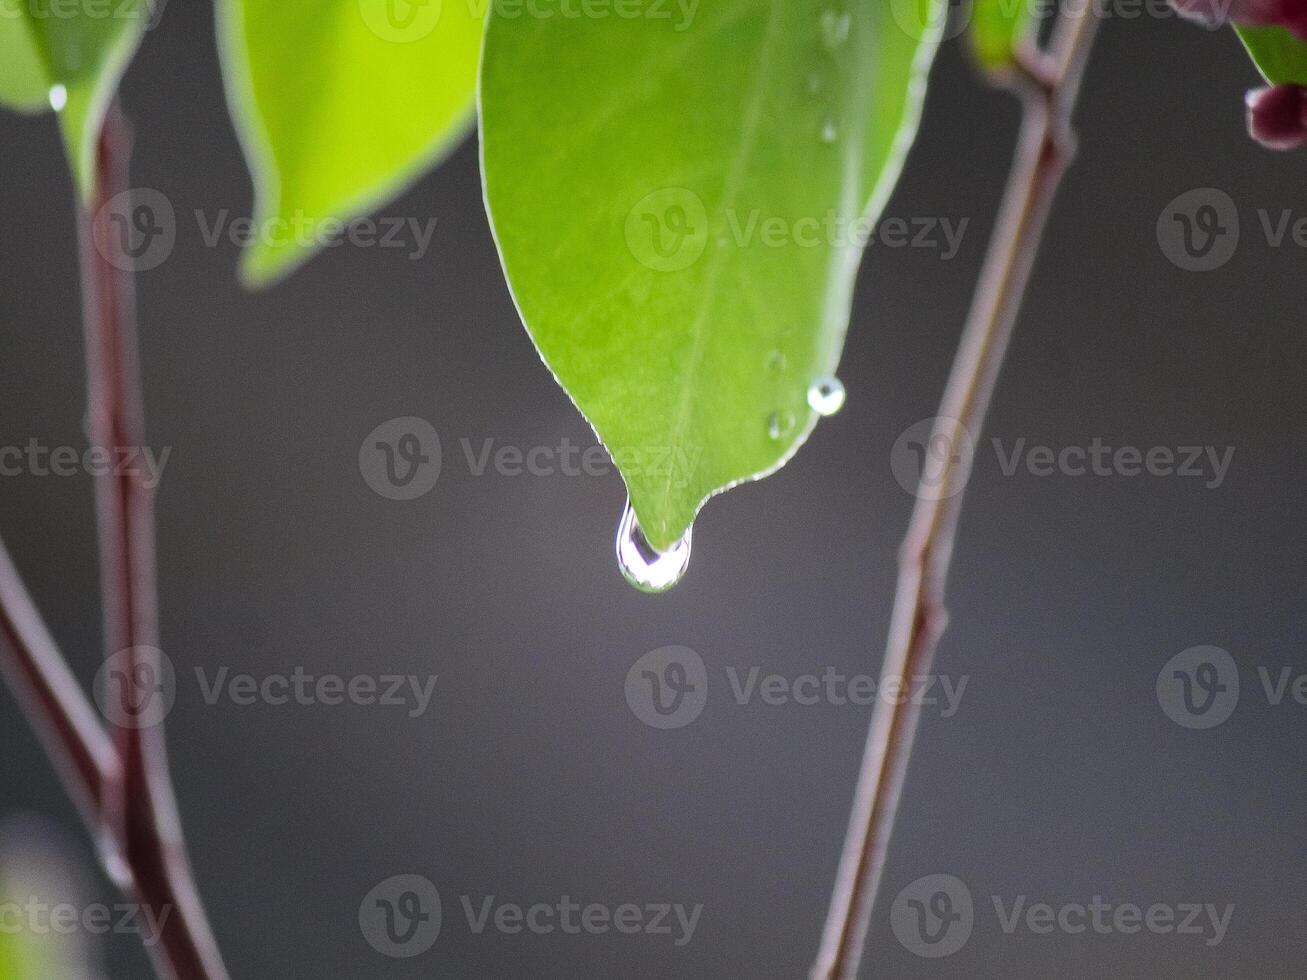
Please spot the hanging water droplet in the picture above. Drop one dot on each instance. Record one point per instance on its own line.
(779, 424)
(58, 97)
(826, 397)
(643, 565)
(835, 28)
(829, 133)
(776, 362)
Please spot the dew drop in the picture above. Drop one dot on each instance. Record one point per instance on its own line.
(776, 362)
(643, 565)
(834, 28)
(58, 97)
(779, 424)
(829, 134)
(826, 397)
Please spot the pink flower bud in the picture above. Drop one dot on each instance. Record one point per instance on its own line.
(1277, 116)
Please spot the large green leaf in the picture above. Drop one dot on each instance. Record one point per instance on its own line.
(71, 55)
(339, 105)
(680, 195)
(1278, 55)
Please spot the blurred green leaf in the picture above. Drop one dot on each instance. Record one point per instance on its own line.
(24, 78)
(340, 104)
(681, 198)
(995, 29)
(72, 56)
(1278, 55)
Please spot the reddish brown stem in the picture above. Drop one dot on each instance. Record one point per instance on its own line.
(142, 816)
(1049, 86)
(35, 670)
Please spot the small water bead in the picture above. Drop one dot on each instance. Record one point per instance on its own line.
(643, 565)
(779, 424)
(826, 397)
(58, 97)
(776, 362)
(835, 28)
(829, 132)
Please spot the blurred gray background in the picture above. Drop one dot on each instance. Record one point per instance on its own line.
(1059, 778)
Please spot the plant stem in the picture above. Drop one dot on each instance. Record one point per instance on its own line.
(1049, 86)
(142, 815)
(35, 670)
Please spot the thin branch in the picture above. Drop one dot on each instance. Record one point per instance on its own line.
(35, 670)
(143, 817)
(1049, 89)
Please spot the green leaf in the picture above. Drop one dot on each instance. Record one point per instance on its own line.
(74, 54)
(996, 28)
(680, 196)
(1278, 55)
(24, 81)
(339, 105)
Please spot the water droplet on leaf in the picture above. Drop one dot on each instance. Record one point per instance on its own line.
(779, 424)
(776, 362)
(829, 133)
(643, 565)
(58, 97)
(826, 397)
